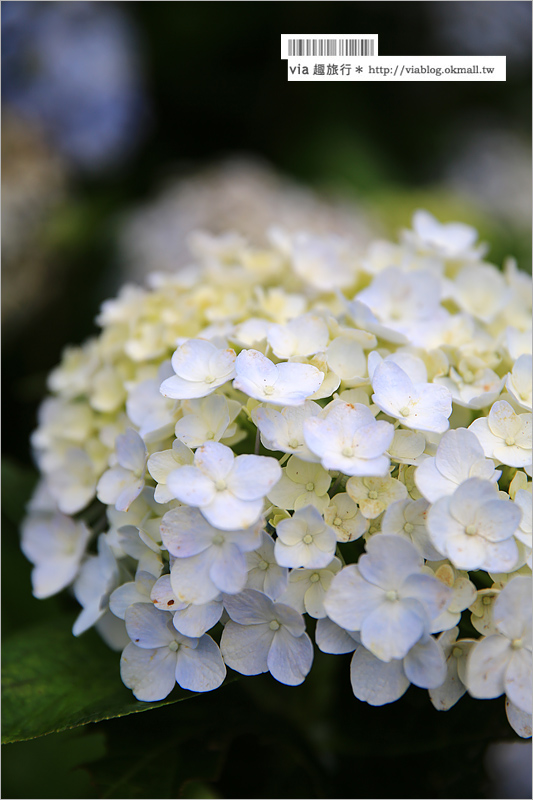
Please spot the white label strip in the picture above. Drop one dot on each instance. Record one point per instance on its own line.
(398, 68)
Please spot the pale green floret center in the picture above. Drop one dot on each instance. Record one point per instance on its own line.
(210, 435)
(509, 441)
(347, 452)
(487, 601)
(274, 625)
(218, 539)
(337, 521)
(373, 495)
(517, 644)
(405, 411)
(293, 443)
(263, 564)
(408, 527)
(314, 577)
(456, 652)
(220, 485)
(173, 646)
(391, 595)
(307, 538)
(471, 530)
(309, 486)
(269, 390)
(209, 379)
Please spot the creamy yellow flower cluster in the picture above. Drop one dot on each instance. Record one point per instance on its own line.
(239, 429)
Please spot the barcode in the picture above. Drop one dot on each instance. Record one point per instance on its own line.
(331, 47)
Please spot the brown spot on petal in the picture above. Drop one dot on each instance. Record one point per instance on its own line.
(170, 603)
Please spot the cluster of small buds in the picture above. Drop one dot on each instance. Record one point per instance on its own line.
(293, 431)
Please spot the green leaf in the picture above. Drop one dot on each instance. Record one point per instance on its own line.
(52, 681)
(17, 486)
(165, 755)
(58, 765)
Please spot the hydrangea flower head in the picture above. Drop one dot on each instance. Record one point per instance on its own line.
(239, 429)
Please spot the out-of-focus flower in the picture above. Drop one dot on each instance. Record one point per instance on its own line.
(74, 69)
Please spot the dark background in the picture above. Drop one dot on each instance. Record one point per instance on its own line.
(214, 86)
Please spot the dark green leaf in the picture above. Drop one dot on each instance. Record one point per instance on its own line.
(53, 681)
(52, 766)
(17, 485)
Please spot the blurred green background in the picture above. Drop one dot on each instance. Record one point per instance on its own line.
(197, 83)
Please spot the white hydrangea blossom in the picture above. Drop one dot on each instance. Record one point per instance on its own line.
(348, 438)
(474, 527)
(307, 589)
(505, 435)
(55, 544)
(236, 428)
(285, 384)
(502, 662)
(386, 597)
(263, 636)
(459, 456)
(200, 368)
(120, 485)
(422, 406)
(284, 430)
(301, 484)
(159, 657)
(228, 491)
(304, 540)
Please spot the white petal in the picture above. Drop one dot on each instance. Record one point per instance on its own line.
(254, 371)
(227, 512)
(191, 486)
(392, 387)
(331, 638)
(430, 592)
(131, 451)
(185, 532)
(391, 630)
(486, 667)
(290, 658)
(200, 669)
(457, 451)
(517, 680)
(512, 608)
(450, 691)
(215, 460)
(228, 570)
(149, 673)
(431, 483)
(181, 389)
(296, 382)
(163, 597)
(389, 560)
(252, 477)
(124, 597)
(425, 665)
(376, 682)
(148, 627)
(196, 620)
(498, 520)
(250, 607)
(190, 579)
(519, 721)
(350, 599)
(245, 647)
